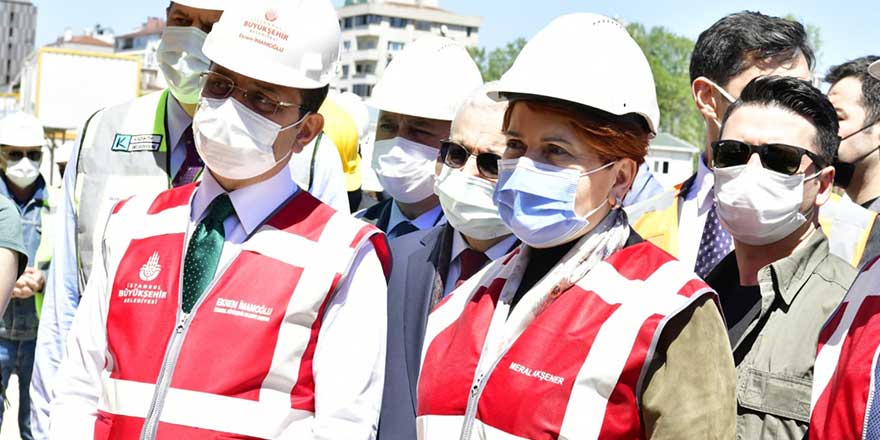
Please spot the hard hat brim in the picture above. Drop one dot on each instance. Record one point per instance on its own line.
(259, 68)
(874, 69)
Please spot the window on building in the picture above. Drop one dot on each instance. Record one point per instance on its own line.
(470, 31)
(12, 16)
(362, 90)
(346, 44)
(423, 25)
(345, 69)
(367, 43)
(347, 23)
(10, 31)
(395, 46)
(374, 19)
(665, 167)
(360, 20)
(127, 43)
(399, 23)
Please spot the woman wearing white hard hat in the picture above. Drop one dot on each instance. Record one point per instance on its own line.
(585, 331)
(417, 98)
(240, 307)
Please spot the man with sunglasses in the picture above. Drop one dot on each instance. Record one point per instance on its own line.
(772, 174)
(417, 98)
(726, 57)
(239, 307)
(21, 154)
(430, 264)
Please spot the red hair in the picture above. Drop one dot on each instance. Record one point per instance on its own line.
(612, 137)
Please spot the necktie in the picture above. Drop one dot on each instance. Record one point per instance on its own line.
(714, 246)
(872, 430)
(402, 229)
(203, 252)
(471, 262)
(192, 164)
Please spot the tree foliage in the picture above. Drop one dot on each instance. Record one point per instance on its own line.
(669, 56)
(498, 61)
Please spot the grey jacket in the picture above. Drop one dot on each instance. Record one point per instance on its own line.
(421, 262)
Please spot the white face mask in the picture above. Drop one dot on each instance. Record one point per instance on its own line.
(233, 140)
(23, 172)
(405, 168)
(468, 205)
(759, 206)
(181, 60)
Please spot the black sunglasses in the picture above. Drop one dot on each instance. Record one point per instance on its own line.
(17, 155)
(455, 155)
(785, 159)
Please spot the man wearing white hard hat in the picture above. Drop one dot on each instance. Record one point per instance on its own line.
(417, 98)
(139, 146)
(21, 144)
(240, 306)
(584, 331)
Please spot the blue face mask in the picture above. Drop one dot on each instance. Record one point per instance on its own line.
(536, 201)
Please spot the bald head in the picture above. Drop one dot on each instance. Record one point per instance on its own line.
(478, 115)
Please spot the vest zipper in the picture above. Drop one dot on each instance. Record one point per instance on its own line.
(474, 396)
(172, 352)
(871, 384)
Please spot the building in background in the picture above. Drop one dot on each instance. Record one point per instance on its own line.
(374, 30)
(18, 28)
(671, 159)
(144, 42)
(97, 39)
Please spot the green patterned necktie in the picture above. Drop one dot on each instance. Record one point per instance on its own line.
(203, 253)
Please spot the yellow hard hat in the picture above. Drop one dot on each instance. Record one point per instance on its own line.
(340, 127)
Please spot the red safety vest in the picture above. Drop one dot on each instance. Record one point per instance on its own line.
(569, 360)
(844, 372)
(240, 366)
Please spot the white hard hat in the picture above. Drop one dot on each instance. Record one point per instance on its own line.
(287, 43)
(428, 79)
(62, 154)
(587, 59)
(21, 130)
(211, 5)
(875, 69)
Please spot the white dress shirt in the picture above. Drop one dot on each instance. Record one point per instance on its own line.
(427, 220)
(459, 244)
(328, 181)
(349, 362)
(695, 206)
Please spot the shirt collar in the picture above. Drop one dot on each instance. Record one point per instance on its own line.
(703, 186)
(792, 272)
(783, 278)
(39, 194)
(253, 204)
(495, 252)
(178, 121)
(425, 221)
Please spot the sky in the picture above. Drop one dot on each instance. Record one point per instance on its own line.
(850, 28)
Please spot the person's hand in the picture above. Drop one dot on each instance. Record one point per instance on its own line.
(29, 283)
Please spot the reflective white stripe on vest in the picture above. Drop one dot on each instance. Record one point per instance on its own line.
(163, 223)
(276, 244)
(826, 361)
(206, 411)
(613, 345)
(284, 372)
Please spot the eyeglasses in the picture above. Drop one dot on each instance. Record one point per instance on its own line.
(17, 155)
(455, 155)
(785, 159)
(217, 86)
